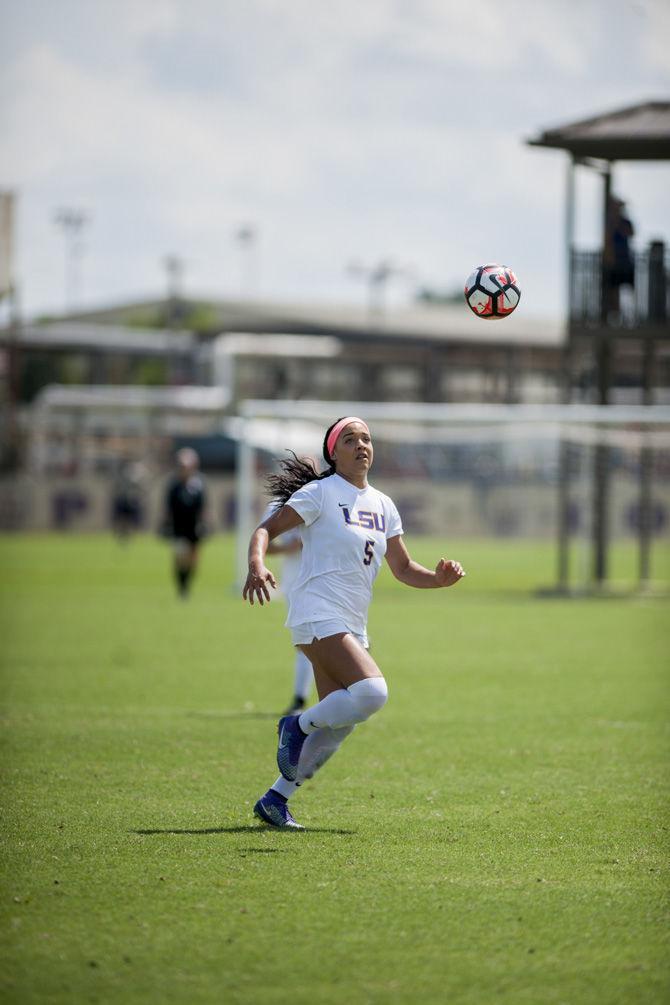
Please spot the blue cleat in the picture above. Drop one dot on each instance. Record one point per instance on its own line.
(291, 739)
(274, 811)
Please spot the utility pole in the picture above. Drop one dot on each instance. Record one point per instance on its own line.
(72, 222)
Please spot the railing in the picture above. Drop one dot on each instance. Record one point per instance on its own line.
(593, 302)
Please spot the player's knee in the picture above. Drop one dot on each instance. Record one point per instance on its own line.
(369, 696)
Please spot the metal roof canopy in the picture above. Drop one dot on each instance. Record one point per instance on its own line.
(639, 132)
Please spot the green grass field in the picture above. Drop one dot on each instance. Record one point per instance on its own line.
(498, 833)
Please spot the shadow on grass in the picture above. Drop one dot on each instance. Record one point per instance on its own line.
(242, 829)
(242, 714)
(259, 851)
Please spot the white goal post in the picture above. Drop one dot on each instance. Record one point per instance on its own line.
(580, 474)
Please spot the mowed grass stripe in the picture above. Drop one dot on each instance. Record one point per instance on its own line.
(498, 832)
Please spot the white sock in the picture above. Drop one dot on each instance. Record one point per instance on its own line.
(318, 748)
(284, 787)
(303, 676)
(347, 706)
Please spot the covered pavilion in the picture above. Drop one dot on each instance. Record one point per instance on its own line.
(638, 132)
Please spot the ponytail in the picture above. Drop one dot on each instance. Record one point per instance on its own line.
(296, 472)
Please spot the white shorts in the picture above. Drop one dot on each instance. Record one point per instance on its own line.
(310, 630)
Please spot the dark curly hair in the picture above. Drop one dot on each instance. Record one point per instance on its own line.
(296, 472)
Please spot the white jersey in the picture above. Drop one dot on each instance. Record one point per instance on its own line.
(290, 565)
(343, 544)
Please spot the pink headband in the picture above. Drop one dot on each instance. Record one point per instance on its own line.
(337, 429)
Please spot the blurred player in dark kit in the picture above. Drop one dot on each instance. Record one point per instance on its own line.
(184, 517)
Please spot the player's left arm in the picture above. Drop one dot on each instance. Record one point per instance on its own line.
(404, 568)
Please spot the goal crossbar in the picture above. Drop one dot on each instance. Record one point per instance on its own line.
(276, 425)
(429, 414)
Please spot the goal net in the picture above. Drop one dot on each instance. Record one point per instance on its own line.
(575, 479)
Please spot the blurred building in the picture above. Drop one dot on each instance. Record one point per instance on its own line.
(421, 353)
(88, 393)
(95, 394)
(97, 390)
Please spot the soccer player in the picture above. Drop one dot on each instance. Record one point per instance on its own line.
(184, 517)
(347, 527)
(290, 547)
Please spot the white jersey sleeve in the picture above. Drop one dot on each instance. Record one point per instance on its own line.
(308, 501)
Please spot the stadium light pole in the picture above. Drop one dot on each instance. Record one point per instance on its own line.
(377, 278)
(174, 270)
(72, 222)
(246, 239)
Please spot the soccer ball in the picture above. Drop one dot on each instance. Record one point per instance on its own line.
(492, 291)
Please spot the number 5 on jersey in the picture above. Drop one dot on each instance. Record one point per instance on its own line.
(369, 554)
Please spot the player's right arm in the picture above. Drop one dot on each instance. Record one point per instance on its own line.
(259, 575)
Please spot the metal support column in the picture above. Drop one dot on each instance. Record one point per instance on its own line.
(563, 564)
(603, 362)
(563, 570)
(645, 504)
(657, 315)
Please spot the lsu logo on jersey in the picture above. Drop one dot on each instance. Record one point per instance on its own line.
(366, 519)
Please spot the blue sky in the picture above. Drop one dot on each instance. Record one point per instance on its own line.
(343, 131)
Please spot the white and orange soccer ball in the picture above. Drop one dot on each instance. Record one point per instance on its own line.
(492, 291)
